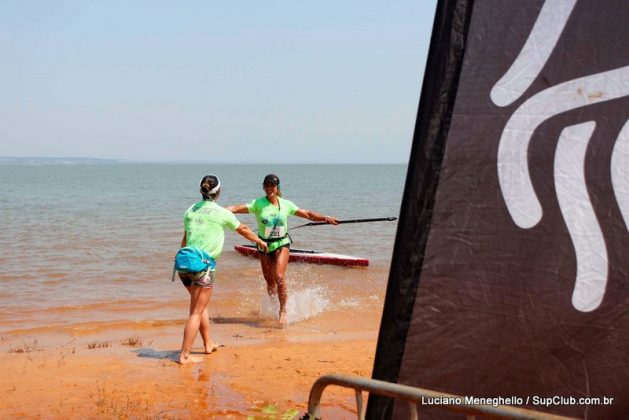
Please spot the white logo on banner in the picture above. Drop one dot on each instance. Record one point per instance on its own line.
(569, 164)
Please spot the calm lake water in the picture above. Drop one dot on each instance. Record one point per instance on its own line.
(88, 244)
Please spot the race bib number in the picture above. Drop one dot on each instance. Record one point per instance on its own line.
(275, 232)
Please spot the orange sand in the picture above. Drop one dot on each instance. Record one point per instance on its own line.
(58, 376)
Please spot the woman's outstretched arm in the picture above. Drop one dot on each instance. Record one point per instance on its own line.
(248, 234)
(241, 208)
(316, 217)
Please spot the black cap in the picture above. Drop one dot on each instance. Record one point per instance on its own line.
(271, 179)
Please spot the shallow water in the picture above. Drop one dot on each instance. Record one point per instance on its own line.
(91, 246)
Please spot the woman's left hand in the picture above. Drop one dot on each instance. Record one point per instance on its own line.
(331, 220)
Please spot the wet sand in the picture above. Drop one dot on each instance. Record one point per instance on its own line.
(263, 370)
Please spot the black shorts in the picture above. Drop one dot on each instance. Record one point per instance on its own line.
(272, 253)
(198, 279)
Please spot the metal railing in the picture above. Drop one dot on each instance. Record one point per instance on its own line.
(414, 397)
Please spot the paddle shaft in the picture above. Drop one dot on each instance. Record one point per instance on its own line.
(380, 219)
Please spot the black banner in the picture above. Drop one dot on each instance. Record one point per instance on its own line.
(510, 273)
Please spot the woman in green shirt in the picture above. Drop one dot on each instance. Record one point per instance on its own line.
(272, 213)
(204, 228)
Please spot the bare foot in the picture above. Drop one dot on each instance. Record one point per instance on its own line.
(283, 319)
(212, 347)
(189, 359)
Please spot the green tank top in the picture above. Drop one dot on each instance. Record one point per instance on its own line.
(272, 220)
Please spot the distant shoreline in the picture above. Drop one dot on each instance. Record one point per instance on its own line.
(39, 161)
(35, 160)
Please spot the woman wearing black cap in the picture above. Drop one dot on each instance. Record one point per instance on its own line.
(272, 213)
(204, 228)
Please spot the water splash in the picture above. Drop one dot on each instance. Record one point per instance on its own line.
(302, 304)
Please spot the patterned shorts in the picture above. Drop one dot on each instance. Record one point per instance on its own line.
(198, 279)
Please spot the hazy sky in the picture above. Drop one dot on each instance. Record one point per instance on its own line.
(217, 81)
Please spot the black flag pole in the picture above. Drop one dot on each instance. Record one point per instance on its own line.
(380, 219)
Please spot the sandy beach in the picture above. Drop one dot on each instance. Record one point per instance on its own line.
(116, 358)
(130, 371)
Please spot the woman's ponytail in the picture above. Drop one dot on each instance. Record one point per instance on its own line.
(210, 186)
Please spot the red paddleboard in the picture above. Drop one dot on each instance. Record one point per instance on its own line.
(312, 257)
